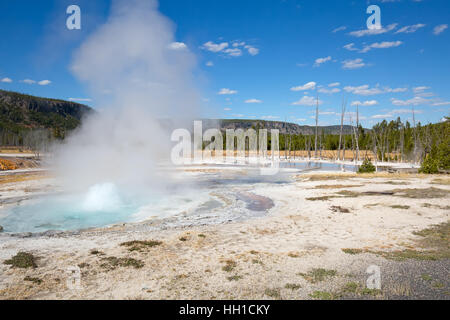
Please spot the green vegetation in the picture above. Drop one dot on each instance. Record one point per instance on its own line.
(292, 286)
(352, 251)
(323, 295)
(111, 263)
(318, 274)
(140, 245)
(22, 260)
(31, 279)
(234, 278)
(29, 121)
(367, 167)
(273, 293)
(229, 265)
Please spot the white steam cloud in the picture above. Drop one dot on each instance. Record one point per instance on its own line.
(137, 79)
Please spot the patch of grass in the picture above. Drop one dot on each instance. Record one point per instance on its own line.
(273, 293)
(426, 277)
(351, 287)
(427, 193)
(442, 181)
(229, 265)
(397, 206)
(438, 285)
(256, 261)
(83, 265)
(292, 286)
(337, 186)
(140, 245)
(371, 292)
(322, 295)
(318, 274)
(96, 252)
(339, 209)
(322, 198)
(22, 260)
(352, 251)
(234, 278)
(293, 255)
(396, 183)
(254, 252)
(349, 194)
(437, 236)
(407, 254)
(34, 280)
(112, 263)
(183, 239)
(201, 235)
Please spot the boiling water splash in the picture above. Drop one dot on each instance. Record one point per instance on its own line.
(102, 197)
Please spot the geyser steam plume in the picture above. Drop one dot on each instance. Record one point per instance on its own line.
(138, 77)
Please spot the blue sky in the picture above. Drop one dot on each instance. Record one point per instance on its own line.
(264, 59)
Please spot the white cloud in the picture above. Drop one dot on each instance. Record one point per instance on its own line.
(308, 86)
(363, 90)
(353, 64)
(237, 115)
(319, 61)
(342, 28)
(382, 116)
(395, 90)
(307, 101)
(381, 45)
(367, 32)
(29, 81)
(414, 101)
(443, 103)
(252, 50)
(177, 46)
(209, 64)
(214, 47)
(6, 80)
(329, 91)
(269, 117)
(44, 82)
(350, 47)
(253, 101)
(80, 99)
(233, 52)
(420, 89)
(368, 103)
(439, 29)
(334, 84)
(226, 91)
(227, 109)
(411, 29)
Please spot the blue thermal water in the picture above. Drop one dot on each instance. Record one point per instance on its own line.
(101, 205)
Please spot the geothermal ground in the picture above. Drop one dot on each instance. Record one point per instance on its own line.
(305, 235)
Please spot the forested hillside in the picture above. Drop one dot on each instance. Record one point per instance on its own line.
(21, 115)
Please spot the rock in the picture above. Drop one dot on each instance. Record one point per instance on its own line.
(1, 229)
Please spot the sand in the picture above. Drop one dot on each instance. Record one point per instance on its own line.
(262, 257)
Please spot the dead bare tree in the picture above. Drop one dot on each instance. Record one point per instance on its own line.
(342, 128)
(317, 124)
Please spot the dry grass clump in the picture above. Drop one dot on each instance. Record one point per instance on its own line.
(136, 245)
(22, 260)
(426, 193)
(318, 274)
